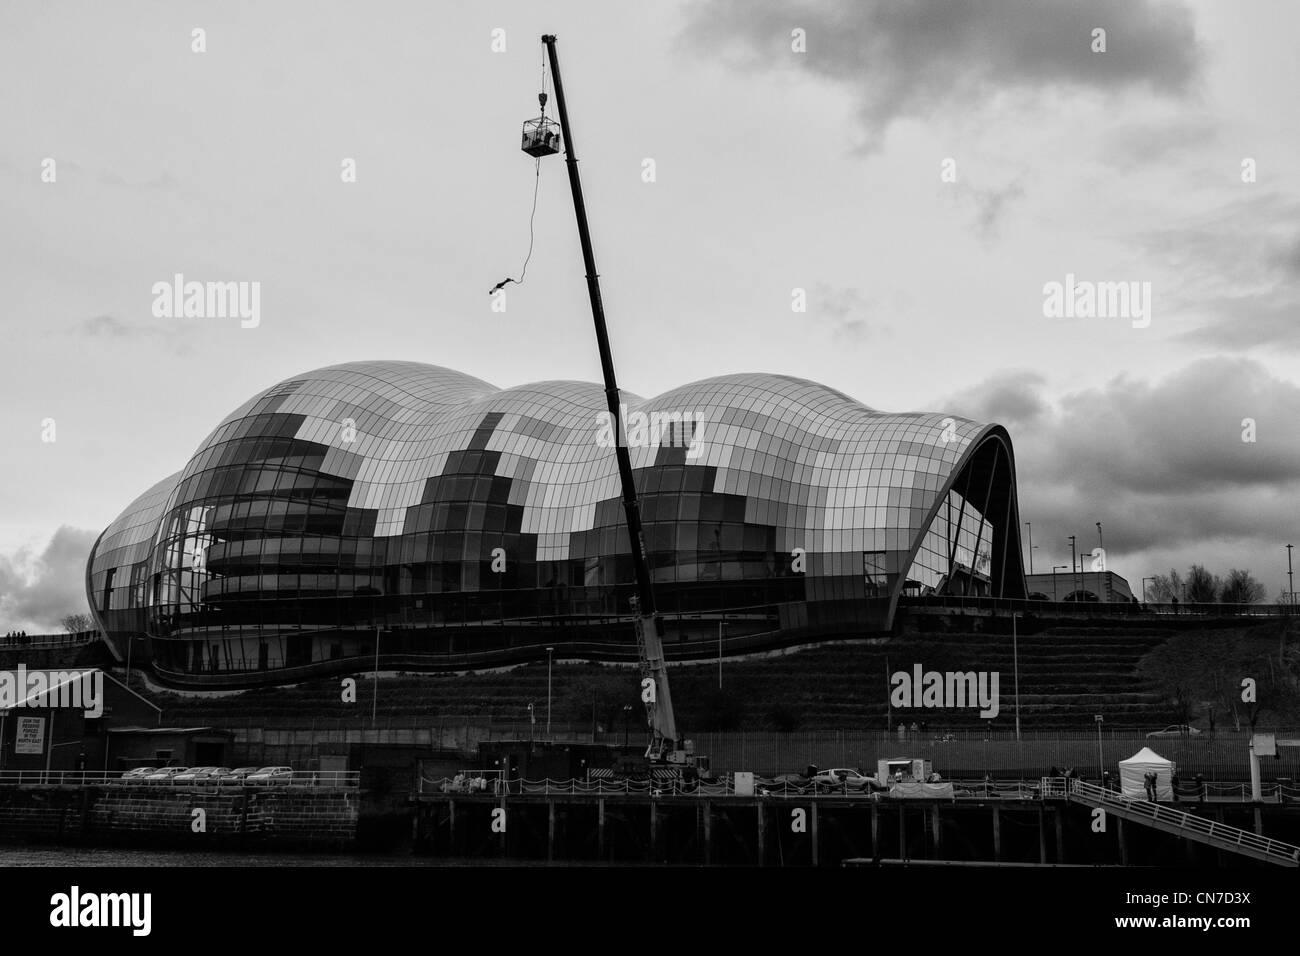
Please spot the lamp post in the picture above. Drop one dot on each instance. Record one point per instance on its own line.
(548, 692)
(1032, 549)
(1101, 761)
(1074, 564)
(627, 715)
(374, 700)
(1290, 575)
(1101, 544)
(1055, 568)
(1030, 526)
(1015, 658)
(721, 621)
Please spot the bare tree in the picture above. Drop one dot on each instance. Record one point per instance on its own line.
(1202, 586)
(1241, 588)
(76, 623)
(1164, 588)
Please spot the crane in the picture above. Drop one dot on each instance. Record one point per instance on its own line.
(665, 747)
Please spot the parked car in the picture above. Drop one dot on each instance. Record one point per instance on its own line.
(237, 777)
(271, 776)
(1175, 730)
(201, 775)
(839, 778)
(136, 775)
(164, 775)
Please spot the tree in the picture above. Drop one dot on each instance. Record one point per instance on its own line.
(1202, 586)
(1165, 587)
(1241, 588)
(76, 623)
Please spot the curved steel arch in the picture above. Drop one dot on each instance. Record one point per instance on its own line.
(1001, 512)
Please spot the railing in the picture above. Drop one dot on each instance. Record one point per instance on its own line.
(318, 779)
(36, 642)
(1095, 608)
(724, 786)
(1180, 819)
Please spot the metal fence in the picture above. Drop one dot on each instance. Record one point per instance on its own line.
(491, 783)
(971, 754)
(318, 779)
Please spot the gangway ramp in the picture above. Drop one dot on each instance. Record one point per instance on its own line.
(1178, 822)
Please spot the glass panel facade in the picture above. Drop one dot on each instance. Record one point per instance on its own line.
(465, 522)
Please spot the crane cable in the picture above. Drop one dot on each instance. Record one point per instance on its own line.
(537, 180)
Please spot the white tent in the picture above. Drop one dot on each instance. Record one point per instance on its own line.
(1133, 771)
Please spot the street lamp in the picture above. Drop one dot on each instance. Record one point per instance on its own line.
(548, 692)
(1055, 568)
(1101, 761)
(374, 700)
(627, 715)
(1074, 565)
(721, 621)
(1030, 526)
(1290, 575)
(1015, 657)
(1101, 544)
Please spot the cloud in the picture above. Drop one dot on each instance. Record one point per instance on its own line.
(1010, 398)
(1239, 272)
(912, 58)
(1156, 141)
(109, 327)
(991, 204)
(37, 590)
(845, 311)
(1161, 464)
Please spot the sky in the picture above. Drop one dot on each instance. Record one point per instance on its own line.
(922, 171)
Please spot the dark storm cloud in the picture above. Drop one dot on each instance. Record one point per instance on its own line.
(37, 590)
(1009, 398)
(1165, 461)
(911, 57)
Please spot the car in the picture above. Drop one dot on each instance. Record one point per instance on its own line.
(201, 775)
(136, 775)
(271, 776)
(237, 777)
(164, 775)
(1175, 730)
(841, 778)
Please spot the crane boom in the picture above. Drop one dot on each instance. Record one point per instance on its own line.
(648, 623)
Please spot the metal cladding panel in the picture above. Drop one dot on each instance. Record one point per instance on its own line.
(398, 478)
